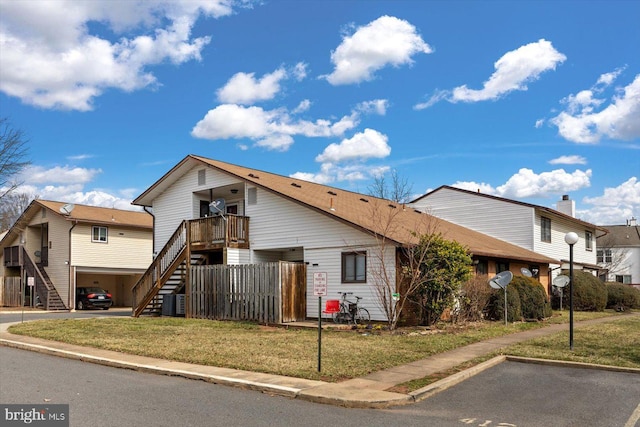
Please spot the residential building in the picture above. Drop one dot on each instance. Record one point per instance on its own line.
(619, 253)
(536, 228)
(55, 246)
(268, 217)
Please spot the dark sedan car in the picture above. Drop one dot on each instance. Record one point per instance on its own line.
(92, 297)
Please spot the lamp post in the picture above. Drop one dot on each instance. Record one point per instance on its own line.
(571, 239)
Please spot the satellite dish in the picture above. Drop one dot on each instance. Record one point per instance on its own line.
(525, 272)
(501, 280)
(66, 209)
(217, 207)
(561, 281)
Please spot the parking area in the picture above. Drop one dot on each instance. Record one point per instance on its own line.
(525, 394)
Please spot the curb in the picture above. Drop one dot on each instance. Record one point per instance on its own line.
(216, 379)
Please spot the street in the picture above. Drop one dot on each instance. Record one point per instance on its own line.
(510, 394)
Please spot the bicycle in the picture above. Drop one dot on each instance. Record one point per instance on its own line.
(350, 312)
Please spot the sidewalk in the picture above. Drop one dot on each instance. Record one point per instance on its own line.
(364, 392)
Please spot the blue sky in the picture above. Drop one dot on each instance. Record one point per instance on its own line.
(528, 100)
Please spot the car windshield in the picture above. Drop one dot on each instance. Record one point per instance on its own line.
(95, 291)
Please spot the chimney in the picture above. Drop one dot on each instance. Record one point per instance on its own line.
(566, 206)
(632, 222)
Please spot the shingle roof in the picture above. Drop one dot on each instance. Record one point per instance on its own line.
(84, 214)
(620, 235)
(370, 214)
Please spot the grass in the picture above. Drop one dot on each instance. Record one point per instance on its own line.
(294, 351)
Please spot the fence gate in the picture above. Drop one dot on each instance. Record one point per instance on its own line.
(266, 293)
(11, 292)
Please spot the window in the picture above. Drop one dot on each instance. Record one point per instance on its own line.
(354, 267)
(99, 234)
(482, 268)
(588, 240)
(623, 278)
(502, 266)
(545, 229)
(604, 255)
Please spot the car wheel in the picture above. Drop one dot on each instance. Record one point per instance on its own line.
(105, 308)
(80, 305)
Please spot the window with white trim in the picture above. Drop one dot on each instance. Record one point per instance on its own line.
(545, 229)
(99, 234)
(588, 240)
(604, 255)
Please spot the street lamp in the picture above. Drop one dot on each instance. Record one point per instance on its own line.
(571, 239)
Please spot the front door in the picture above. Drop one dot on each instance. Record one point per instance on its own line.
(44, 244)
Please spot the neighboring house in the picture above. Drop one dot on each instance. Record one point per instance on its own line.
(536, 228)
(619, 253)
(59, 246)
(271, 217)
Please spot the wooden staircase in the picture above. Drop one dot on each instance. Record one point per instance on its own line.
(146, 293)
(169, 271)
(49, 299)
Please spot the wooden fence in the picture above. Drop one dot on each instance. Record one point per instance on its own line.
(266, 293)
(10, 292)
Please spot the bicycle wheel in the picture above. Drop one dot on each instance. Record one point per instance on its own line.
(362, 317)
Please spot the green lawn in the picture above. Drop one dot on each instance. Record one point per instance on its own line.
(345, 353)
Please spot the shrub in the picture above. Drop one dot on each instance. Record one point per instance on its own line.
(621, 296)
(589, 292)
(533, 299)
(495, 308)
(474, 299)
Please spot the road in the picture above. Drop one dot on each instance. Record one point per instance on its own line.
(511, 394)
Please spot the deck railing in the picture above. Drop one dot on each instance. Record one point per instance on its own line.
(202, 234)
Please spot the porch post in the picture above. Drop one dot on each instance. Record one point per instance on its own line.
(187, 273)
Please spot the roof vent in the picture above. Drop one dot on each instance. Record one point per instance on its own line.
(254, 176)
(333, 193)
(392, 206)
(296, 185)
(364, 200)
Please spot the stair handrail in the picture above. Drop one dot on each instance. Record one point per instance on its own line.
(159, 267)
(39, 279)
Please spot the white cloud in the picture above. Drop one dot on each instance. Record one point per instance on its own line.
(385, 41)
(331, 172)
(615, 205)
(303, 106)
(377, 106)
(568, 160)
(59, 175)
(364, 145)
(474, 186)
(273, 129)
(67, 184)
(243, 88)
(620, 119)
(51, 60)
(513, 71)
(526, 184)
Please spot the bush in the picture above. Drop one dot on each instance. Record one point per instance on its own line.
(589, 292)
(474, 299)
(495, 309)
(622, 297)
(533, 299)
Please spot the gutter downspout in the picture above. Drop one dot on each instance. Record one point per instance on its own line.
(153, 232)
(72, 289)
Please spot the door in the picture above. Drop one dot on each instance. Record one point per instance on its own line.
(44, 244)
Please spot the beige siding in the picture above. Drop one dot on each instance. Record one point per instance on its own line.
(125, 248)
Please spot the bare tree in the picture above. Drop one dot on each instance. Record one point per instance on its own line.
(396, 188)
(13, 156)
(13, 204)
(396, 257)
(614, 258)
